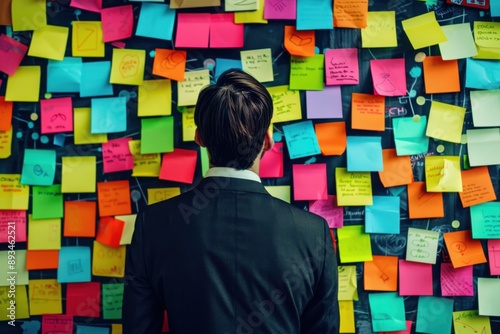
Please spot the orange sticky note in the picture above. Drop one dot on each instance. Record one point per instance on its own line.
(332, 138)
(350, 13)
(381, 274)
(170, 64)
(110, 231)
(42, 259)
(79, 219)
(114, 198)
(422, 204)
(441, 76)
(299, 42)
(368, 112)
(463, 250)
(477, 187)
(397, 169)
(5, 13)
(5, 114)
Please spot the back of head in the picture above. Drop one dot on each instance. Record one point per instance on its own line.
(233, 117)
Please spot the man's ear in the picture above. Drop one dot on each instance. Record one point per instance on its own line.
(197, 138)
(268, 141)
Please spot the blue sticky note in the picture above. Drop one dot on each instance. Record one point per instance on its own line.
(388, 312)
(39, 167)
(364, 154)
(409, 135)
(156, 21)
(108, 115)
(301, 139)
(95, 79)
(81, 329)
(482, 74)
(64, 76)
(222, 64)
(59, 139)
(74, 264)
(495, 8)
(434, 315)
(485, 218)
(383, 215)
(314, 14)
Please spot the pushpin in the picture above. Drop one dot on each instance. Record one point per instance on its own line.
(440, 148)
(416, 118)
(420, 100)
(455, 224)
(34, 116)
(420, 57)
(48, 95)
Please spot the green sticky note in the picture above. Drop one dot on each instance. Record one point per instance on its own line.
(307, 73)
(205, 163)
(157, 135)
(112, 300)
(47, 202)
(39, 167)
(434, 315)
(388, 312)
(354, 244)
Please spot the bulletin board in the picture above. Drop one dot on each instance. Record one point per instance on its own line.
(103, 290)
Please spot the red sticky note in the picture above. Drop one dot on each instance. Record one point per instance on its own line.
(189, 22)
(57, 324)
(389, 76)
(342, 66)
(116, 155)
(90, 5)
(110, 231)
(79, 219)
(57, 115)
(271, 164)
(83, 299)
(117, 22)
(309, 182)
(5, 114)
(224, 33)
(328, 209)
(11, 53)
(415, 278)
(114, 198)
(42, 259)
(179, 165)
(18, 217)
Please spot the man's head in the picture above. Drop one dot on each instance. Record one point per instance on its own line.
(233, 118)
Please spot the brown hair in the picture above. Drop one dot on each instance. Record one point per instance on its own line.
(233, 117)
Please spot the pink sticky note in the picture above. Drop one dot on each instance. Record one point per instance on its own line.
(224, 33)
(456, 282)
(116, 155)
(11, 53)
(328, 209)
(187, 23)
(406, 331)
(280, 9)
(179, 165)
(494, 256)
(60, 324)
(389, 77)
(342, 67)
(18, 217)
(309, 182)
(415, 278)
(57, 115)
(326, 103)
(271, 164)
(90, 5)
(117, 22)
(83, 299)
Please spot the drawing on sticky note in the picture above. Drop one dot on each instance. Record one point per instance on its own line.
(299, 41)
(173, 60)
(279, 5)
(75, 267)
(386, 85)
(458, 247)
(86, 38)
(129, 66)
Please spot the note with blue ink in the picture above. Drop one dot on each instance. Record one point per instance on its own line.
(485, 219)
(223, 64)
(156, 21)
(74, 264)
(301, 139)
(409, 135)
(482, 74)
(387, 311)
(39, 167)
(47, 202)
(95, 79)
(364, 154)
(64, 76)
(108, 115)
(314, 14)
(383, 215)
(434, 315)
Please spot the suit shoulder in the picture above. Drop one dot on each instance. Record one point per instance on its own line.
(300, 214)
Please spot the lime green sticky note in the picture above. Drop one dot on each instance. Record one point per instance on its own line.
(354, 244)
(205, 163)
(445, 122)
(423, 30)
(19, 267)
(307, 73)
(286, 104)
(112, 300)
(466, 321)
(281, 192)
(157, 135)
(47, 202)
(44, 234)
(49, 42)
(78, 174)
(24, 85)
(442, 174)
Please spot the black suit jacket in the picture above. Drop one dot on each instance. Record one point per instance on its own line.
(229, 258)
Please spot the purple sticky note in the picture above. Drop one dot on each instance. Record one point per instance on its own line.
(280, 9)
(326, 103)
(342, 67)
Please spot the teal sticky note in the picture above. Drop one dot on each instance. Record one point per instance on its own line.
(64, 76)
(383, 215)
(485, 219)
(112, 300)
(108, 115)
(222, 64)
(482, 74)
(95, 79)
(364, 154)
(388, 312)
(301, 139)
(81, 329)
(47, 202)
(39, 167)
(409, 135)
(156, 21)
(314, 14)
(157, 135)
(74, 264)
(434, 315)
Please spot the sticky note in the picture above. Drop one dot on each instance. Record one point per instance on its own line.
(258, 63)
(28, 15)
(389, 76)
(90, 5)
(486, 38)
(415, 279)
(117, 23)
(18, 269)
(396, 170)
(57, 115)
(47, 202)
(380, 30)
(404, 331)
(74, 264)
(350, 14)
(87, 39)
(326, 103)
(114, 198)
(489, 296)
(445, 122)
(381, 274)
(494, 256)
(189, 89)
(346, 311)
(65, 76)
(189, 22)
(422, 245)
(383, 215)
(128, 227)
(12, 220)
(112, 300)
(188, 125)
(170, 64)
(24, 85)
(127, 66)
(79, 218)
(81, 329)
(354, 244)
(45, 297)
(82, 134)
(42, 259)
(460, 42)
(39, 167)
(49, 42)
(463, 250)
(364, 154)
(332, 137)
(299, 42)
(286, 104)
(88, 294)
(456, 282)
(5, 114)
(108, 261)
(388, 311)
(156, 195)
(409, 135)
(435, 69)
(144, 164)
(301, 139)
(235, 5)
(480, 144)
(194, 3)
(341, 66)
(442, 174)
(109, 231)
(423, 204)
(155, 98)
(485, 218)
(5, 13)
(224, 32)
(434, 314)
(348, 283)
(368, 112)
(179, 165)
(108, 115)
(44, 234)
(78, 174)
(281, 10)
(464, 321)
(281, 192)
(423, 30)
(5, 144)
(271, 164)
(157, 135)
(13, 195)
(116, 155)
(21, 299)
(329, 210)
(353, 188)
(156, 20)
(482, 113)
(314, 14)
(309, 182)
(307, 73)
(60, 323)
(12, 53)
(223, 64)
(95, 79)
(477, 187)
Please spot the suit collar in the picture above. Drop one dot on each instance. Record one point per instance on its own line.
(232, 184)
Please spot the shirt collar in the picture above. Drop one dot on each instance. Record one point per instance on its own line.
(231, 172)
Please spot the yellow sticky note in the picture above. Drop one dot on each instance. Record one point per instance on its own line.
(28, 14)
(353, 188)
(442, 174)
(380, 31)
(13, 194)
(156, 195)
(445, 122)
(127, 66)
(19, 268)
(144, 164)
(155, 98)
(281, 192)
(108, 261)
(348, 283)
(258, 63)
(49, 42)
(423, 30)
(5, 143)
(188, 126)
(81, 128)
(346, 310)
(45, 296)
(465, 322)
(254, 16)
(87, 39)
(44, 234)
(24, 85)
(21, 299)
(286, 104)
(486, 37)
(116, 329)
(78, 174)
(189, 89)
(354, 244)
(128, 228)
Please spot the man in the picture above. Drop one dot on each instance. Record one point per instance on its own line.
(227, 257)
